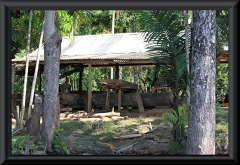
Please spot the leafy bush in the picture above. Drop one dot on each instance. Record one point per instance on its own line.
(58, 145)
(22, 144)
(178, 121)
(222, 87)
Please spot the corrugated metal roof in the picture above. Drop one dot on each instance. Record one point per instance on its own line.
(120, 46)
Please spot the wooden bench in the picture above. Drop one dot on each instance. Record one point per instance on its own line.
(121, 85)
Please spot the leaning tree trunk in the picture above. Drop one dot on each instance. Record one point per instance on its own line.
(22, 114)
(201, 127)
(52, 51)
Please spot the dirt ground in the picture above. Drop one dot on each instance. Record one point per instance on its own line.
(134, 146)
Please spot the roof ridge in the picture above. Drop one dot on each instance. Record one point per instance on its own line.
(67, 37)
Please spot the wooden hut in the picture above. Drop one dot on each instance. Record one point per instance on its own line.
(105, 50)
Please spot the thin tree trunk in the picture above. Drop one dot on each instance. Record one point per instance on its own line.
(113, 21)
(13, 77)
(33, 123)
(120, 73)
(26, 71)
(35, 73)
(201, 127)
(113, 24)
(136, 74)
(89, 87)
(52, 51)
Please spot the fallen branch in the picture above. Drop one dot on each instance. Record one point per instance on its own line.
(16, 131)
(123, 149)
(154, 137)
(127, 136)
(162, 141)
(117, 118)
(105, 145)
(80, 114)
(145, 132)
(107, 114)
(88, 119)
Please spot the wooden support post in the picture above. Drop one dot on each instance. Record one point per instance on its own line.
(89, 87)
(119, 99)
(117, 71)
(120, 72)
(111, 75)
(139, 102)
(107, 100)
(17, 117)
(39, 78)
(111, 72)
(80, 77)
(13, 77)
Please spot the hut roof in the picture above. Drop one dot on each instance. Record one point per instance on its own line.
(125, 48)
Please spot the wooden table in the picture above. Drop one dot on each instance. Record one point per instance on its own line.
(120, 85)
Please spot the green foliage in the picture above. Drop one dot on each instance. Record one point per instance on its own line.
(88, 128)
(19, 30)
(23, 144)
(221, 137)
(59, 146)
(127, 22)
(179, 121)
(222, 80)
(68, 127)
(163, 31)
(176, 149)
(222, 29)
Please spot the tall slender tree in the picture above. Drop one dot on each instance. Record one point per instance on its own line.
(26, 71)
(201, 127)
(52, 51)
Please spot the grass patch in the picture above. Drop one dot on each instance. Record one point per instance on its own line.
(221, 137)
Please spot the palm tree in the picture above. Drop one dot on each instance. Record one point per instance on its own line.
(164, 31)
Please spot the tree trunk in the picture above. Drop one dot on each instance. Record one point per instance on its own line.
(201, 127)
(136, 74)
(35, 73)
(52, 51)
(33, 123)
(26, 71)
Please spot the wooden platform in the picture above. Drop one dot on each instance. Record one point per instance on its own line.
(116, 84)
(121, 85)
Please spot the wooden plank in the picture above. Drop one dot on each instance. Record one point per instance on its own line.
(117, 71)
(139, 101)
(119, 99)
(107, 100)
(69, 73)
(89, 87)
(127, 136)
(80, 77)
(105, 145)
(115, 83)
(66, 109)
(39, 79)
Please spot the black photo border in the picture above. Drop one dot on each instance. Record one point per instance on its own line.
(5, 76)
